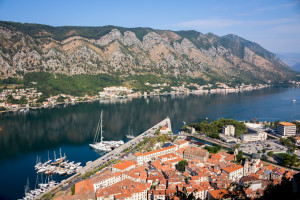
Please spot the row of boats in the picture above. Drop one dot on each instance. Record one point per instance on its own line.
(57, 166)
(64, 168)
(40, 188)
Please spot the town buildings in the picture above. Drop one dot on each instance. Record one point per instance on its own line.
(286, 129)
(228, 130)
(207, 176)
(253, 137)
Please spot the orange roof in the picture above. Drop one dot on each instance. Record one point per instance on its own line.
(217, 194)
(287, 124)
(179, 142)
(216, 156)
(269, 167)
(84, 186)
(156, 151)
(124, 164)
(232, 168)
(163, 128)
(229, 158)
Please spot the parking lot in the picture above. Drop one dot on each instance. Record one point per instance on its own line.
(254, 147)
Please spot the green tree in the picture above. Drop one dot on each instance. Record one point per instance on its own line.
(73, 189)
(184, 127)
(270, 153)
(239, 157)
(264, 150)
(259, 151)
(181, 165)
(289, 160)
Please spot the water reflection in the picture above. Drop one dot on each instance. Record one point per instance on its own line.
(76, 124)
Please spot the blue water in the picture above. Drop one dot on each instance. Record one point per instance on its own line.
(23, 137)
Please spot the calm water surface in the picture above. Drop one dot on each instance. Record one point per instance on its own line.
(24, 136)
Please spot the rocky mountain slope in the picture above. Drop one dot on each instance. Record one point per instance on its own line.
(113, 50)
(291, 59)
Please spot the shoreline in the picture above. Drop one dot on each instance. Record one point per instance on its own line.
(26, 109)
(96, 163)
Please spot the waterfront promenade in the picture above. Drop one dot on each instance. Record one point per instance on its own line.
(114, 154)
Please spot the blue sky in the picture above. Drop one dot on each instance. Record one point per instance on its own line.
(274, 24)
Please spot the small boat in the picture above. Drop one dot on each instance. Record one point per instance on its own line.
(294, 100)
(130, 136)
(59, 160)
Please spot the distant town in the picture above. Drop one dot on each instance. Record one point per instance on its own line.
(158, 164)
(26, 98)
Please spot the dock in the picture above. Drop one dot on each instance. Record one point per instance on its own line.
(100, 161)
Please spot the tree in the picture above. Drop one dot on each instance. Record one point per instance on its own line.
(270, 153)
(212, 149)
(184, 127)
(183, 194)
(73, 189)
(259, 151)
(264, 150)
(181, 165)
(239, 156)
(289, 160)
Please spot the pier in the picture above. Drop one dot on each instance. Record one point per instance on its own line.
(112, 154)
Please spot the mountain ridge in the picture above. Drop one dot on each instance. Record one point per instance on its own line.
(120, 51)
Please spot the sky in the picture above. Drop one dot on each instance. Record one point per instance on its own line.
(274, 24)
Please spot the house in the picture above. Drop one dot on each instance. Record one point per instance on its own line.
(251, 181)
(164, 130)
(123, 166)
(106, 179)
(286, 129)
(217, 194)
(234, 172)
(195, 153)
(228, 130)
(142, 158)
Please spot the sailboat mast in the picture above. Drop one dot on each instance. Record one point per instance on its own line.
(97, 131)
(60, 151)
(101, 126)
(54, 156)
(27, 186)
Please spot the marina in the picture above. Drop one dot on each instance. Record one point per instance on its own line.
(58, 166)
(72, 128)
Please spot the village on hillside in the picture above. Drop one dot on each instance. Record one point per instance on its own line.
(26, 98)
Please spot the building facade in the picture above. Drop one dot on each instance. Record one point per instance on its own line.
(253, 137)
(286, 129)
(228, 130)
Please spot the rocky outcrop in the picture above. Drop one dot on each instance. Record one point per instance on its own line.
(134, 51)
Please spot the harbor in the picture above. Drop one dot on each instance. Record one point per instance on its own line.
(72, 128)
(112, 154)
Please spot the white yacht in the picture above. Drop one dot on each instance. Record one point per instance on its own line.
(294, 100)
(130, 134)
(103, 145)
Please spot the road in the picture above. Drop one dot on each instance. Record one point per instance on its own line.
(110, 155)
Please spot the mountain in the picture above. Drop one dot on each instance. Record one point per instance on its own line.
(120, 51)
(291, 59)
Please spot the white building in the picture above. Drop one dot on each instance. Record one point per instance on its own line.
(122, 166)
(253, 137)
(286, 129)
(228, 139)
(106, 179)
(142, 158)
(234, 172)
(228, 130)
